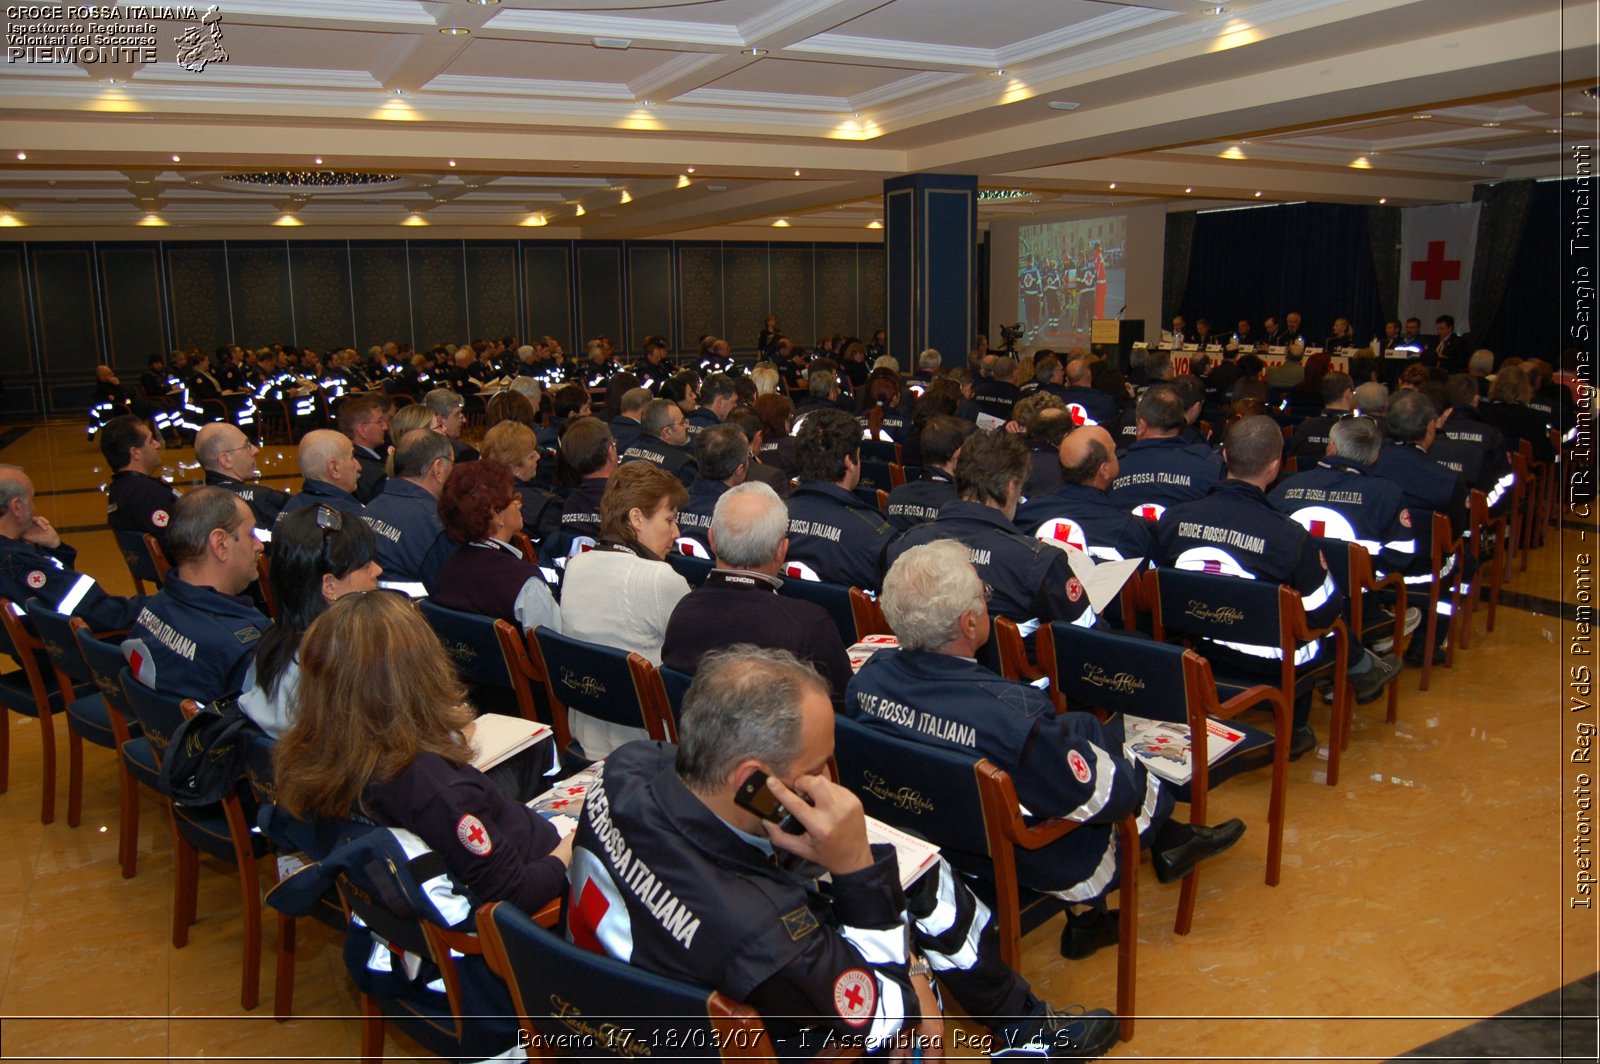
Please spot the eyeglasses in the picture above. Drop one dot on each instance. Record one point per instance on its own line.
(988, 594)
(245, 446)
(329, 520)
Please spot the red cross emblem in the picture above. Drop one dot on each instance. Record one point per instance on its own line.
(473, 836)
(1211, 565)
(1079, 415)
(585, 920)
(855, 996)
(1150, 513)
(1435, 270)
(1068, 533)
(1319, 528)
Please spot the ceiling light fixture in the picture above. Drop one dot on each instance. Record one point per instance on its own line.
(452, 162)
(454, 31)
(1383, 199)
(757, 52)
(618, 43)
(317, 160)
(580, 212)
(690, 169)
(484, 3)
(1491, 125)
(1112, 185)
(1215, 9)
(1421, 118)
(1190, 189)
(1552, 131)
(535, 220)
(22, 156)
(1064, 105)
(177, 158)
(627, 197)
(397, 92)
(875, 224)
(998, 72)
(1258, 195)
(683, 180)
(797, 173)
(781, 223)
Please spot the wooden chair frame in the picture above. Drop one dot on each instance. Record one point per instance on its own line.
(28, 648)
(128, 786)
(1442, 546)
(655, 710)
(1483, 526)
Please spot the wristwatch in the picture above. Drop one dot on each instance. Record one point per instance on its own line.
(919, 966)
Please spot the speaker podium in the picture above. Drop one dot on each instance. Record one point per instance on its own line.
(1114, 338)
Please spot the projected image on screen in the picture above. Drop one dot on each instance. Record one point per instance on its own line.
(1068, 274)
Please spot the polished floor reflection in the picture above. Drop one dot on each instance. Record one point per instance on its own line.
(1427, 891)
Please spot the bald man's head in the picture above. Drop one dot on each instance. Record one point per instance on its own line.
(330, 457)
(16, 501)
(1078, 373)
(1088, 457)
(222, 448)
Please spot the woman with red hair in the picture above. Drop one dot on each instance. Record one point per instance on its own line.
(482, 509)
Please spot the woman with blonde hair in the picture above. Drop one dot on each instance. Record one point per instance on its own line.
(513, 445)
(382, 730)
(622, 593)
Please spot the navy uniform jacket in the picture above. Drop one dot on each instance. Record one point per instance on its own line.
(894, 425)
(625, 430)
(1234, 531)
(580, 522)
(264, 502)
(1044, 468)
(541, 510)
(320, 492)
(995, 398)
(1424, 483)
(194, 642)
(492, 845)
(1032, 581)
(411, 540)
(1310, 440)
(30, 571)
(1063, 766)
(1494, 475)
(694, 516)
(1342, 499)
(659, 881)
(373, 473)
(1083, 517)
(701, 417)
(736, 606)
(835, 536)
(140, 503)
(675, 460)
(1163, 472)
(917, 501)
(1097, 406)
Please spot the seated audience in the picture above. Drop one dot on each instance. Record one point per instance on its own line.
(513, 445)
(412, 545)
(743, 885)
(450, 409)
(739, 602)
(481, 510)
(194, 639)
(919, 500)
(722, 455)
(365, 419)
(330, 471)
(835, 536)
(1078, 513)
(749, 423)
(663, 441)
(317, 556)
(137, 500)
(229, 460)
(777, 425)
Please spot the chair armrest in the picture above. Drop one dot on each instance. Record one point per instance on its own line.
(550, 915)
(1254, 696)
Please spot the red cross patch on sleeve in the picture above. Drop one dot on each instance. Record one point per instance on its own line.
(159, 519)
(471, 833)
(855, 997)
(1405, 517)
(1074, 589)
(36, 579)
(1079, 766)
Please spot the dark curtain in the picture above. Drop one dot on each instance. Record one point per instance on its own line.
(1383, 226)
(1527, 323)
(1175, 265)
(1315, 258)
(1501, 222)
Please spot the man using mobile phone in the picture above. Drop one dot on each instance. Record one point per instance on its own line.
(672, 873)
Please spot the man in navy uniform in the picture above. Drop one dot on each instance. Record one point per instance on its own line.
(229, 459)
(834, 535)
(1031, 581)
(197, 637)
(716, 398)
(917, 501)
(364, 418)
(1310, 440)
(1160, 469)
(1078, 513)
(625, 426)
(591, 453)
(739, 602)
(723, 457)
(330, 471)
(733, 903)
(1464, 431)
(34, 563)
(997, 396)
(1087, 403)
(1235, 531)
(1064, 765)
(663, 439)
(1340, 497)
(137, 500)
(411, 541)
(1452, 350)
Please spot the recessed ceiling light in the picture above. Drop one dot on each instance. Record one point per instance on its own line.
(1552, 131)
(998, 72)
(535, 220)
(683, 181)
(754, 51)
(690, 169)
(452, 162)
(397, 92)
(875, 224)
(797, 173)
(177, 158)
(626, 197)
(580, 212)
(1383, 199)
(1215, 9)
(617, 43)
(1421, 117)
(1258, 195)
(454, 31)
(781, 223)
(1571, 114)
(113, 81)
(1491, 125)
(1190, 189)
(1064, 105)
(22, 155)
(318, 160)
(484, 3)
(645, 103)
(1112, 185)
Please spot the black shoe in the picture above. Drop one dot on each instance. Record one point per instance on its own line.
(1087, 932)
(1370, 685)
(1073, 1033)
(1302, 742)
(1178, 861)
(1414, 654)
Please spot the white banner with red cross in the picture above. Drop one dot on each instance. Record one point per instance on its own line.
(1437, 245)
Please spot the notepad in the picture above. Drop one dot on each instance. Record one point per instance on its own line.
(914, 856)
(497, 737)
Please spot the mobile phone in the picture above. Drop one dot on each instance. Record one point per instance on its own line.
(756, 796)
